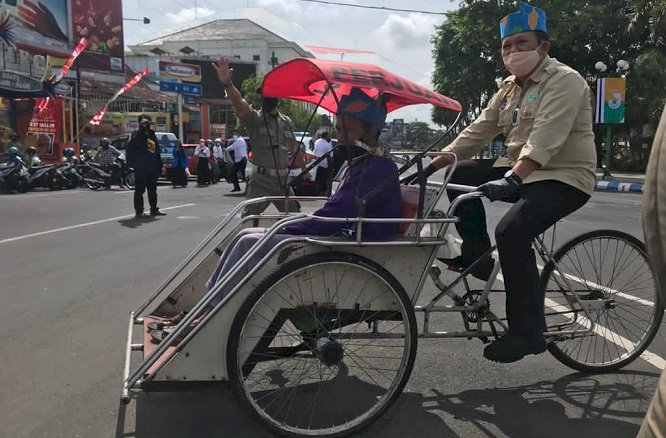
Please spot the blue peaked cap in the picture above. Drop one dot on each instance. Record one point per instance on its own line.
(528, 19)
(359, 105)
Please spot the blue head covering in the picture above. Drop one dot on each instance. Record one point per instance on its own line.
(359, 105)
(528, 19)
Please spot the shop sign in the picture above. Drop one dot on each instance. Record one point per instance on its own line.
(179, 71)
(15, 82)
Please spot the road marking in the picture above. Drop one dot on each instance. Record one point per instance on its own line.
(648, 356)
(122, 192)
(87, 224)
(40, 195)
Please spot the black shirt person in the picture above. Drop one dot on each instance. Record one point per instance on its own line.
(143, 154)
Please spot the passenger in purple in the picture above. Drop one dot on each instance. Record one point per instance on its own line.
(371, 182)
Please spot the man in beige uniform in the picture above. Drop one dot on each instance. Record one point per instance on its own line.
(272, 138)
(654, 227)
(544, 111)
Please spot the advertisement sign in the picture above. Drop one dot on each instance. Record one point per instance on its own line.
(46, 124)
(40, 26)
(101, 22)
(174, 87)
(18, 83)
(175, 71)
(610, 100)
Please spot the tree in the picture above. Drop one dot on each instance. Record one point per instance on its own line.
(418, 135)
(468, 63)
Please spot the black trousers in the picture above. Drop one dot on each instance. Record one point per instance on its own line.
(540, 206)
(238, 167)
(145, 182)
(179, 177)
(321, 181)
(203, 171)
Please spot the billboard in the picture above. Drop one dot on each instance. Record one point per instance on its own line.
(610, 100)
(101, 21)
(175, 71)
(46, 125)
(40, 27)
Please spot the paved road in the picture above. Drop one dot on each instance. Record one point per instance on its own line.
(74, 263)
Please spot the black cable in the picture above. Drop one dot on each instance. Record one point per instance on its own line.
(382, 8)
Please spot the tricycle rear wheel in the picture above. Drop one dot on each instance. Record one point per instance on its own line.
(323, 346)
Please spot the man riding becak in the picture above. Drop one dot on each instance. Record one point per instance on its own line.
(543, 109)
(272, 138)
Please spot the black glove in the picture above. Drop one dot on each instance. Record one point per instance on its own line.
(414, 177)
(506, 189)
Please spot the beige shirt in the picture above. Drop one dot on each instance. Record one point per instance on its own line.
(271, 136)
(548, 120)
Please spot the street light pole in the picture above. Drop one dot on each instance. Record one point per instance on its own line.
(622, 68)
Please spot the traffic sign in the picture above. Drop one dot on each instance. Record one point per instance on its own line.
(175, 87)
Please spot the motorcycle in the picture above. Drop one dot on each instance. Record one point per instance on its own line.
(70, 170)
(47, 176)
(14, 177)
(95, 177)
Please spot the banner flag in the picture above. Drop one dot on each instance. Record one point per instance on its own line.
(97, 119)
(80, 47)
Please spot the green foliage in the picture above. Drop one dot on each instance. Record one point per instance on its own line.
(418, 135)
(468, 63)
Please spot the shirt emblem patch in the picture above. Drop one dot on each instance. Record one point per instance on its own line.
(532, 96)
(151, 146)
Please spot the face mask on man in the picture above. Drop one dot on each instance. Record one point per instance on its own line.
(522, 64)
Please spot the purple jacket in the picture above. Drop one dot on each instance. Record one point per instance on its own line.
(364, 175)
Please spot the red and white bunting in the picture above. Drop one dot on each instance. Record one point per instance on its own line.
(97, 119)
(80, 47)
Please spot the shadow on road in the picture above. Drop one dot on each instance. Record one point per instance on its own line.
(136, 222)
(609, 405)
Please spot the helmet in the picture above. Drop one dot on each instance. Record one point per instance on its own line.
(31, 150)
(218, 140)
(69, 152)
(104, 142)
(13, 150)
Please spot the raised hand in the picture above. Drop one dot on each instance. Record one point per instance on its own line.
(224, 72)
(40, 19)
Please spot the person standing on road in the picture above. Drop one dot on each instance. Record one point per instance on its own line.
(272, 138)
(143, 154)
(544, 111)
(654, 228)
(323, 147)
(238, 150)
(180, 162)
(202, 152)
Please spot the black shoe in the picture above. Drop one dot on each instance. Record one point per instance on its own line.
(236, 190)
(156, 212)
(481, 271)
(510, 348)
(140, 215)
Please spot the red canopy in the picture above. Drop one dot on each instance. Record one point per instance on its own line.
(307, 79)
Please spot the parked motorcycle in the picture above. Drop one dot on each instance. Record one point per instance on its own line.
(95, 177)
(45, 175)
(14, 177)
(70, 172)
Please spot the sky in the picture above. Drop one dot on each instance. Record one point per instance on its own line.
(400, 40)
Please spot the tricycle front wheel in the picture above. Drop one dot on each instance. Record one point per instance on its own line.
(323, 346)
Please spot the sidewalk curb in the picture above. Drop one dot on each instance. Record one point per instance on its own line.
(617, 186)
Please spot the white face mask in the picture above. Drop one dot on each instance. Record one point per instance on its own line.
(522, 64)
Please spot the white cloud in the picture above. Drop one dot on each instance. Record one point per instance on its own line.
(188, 14)
(404, 32)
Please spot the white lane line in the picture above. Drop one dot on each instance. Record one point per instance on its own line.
(41, 195)
(647, 356)
(122, 192)
(87, 224)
